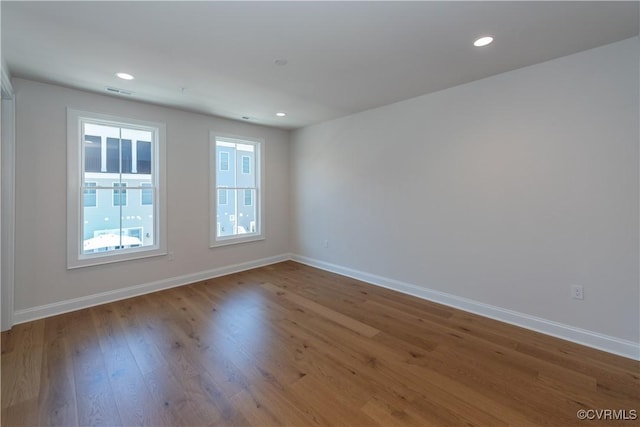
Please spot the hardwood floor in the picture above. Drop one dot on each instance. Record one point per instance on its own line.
(291, 345)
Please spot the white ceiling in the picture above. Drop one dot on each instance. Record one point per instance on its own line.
(343, 57)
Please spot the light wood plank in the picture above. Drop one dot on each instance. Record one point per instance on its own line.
(27, 362)
(131, 395)
(94, 395)
(57, 399)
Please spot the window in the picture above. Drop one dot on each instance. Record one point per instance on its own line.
(248, 197)
(246, 164)
(147, 195)
(222, 196)
(224, 161)
(90, 195)
(112, 163)
(119, 194)
(236, 206)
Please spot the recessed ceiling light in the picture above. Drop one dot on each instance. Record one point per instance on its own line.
(281, 114)
(125, 76)
(483, 41)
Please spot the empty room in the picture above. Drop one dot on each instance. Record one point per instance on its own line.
(320, 213)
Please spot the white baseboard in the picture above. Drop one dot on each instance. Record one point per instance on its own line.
(585, 337)
(35, 313)
(597, 340)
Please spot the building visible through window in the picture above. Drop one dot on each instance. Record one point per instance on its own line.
(224, 161)
(119, 194)
(246, 164)
(90, 195)
(117, 161)
(236, 172)
(147, 194)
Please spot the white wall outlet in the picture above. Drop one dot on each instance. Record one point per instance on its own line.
(577, 292)
(171, 256)
(326, 244)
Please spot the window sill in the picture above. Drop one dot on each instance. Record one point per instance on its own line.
(235, 240)
(90, 261)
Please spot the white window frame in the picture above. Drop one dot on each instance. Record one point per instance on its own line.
(258, 199)
(75, 215)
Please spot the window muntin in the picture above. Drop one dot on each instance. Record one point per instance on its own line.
(118, 212)
(236, 188)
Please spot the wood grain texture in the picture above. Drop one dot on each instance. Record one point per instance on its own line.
(290, 345)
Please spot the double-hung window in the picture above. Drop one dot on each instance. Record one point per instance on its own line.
(236, 182)
(115, 189)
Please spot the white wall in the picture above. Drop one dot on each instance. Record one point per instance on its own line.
(41, 276)
(505, 191)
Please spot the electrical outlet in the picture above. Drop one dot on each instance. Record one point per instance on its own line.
(577, 292)
(326, 243)
(171, 256)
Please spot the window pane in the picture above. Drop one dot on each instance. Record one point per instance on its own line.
(236, 218)
(246, 216)
(138, 220)
(106, 228)
(226, 212)
(98, 224)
